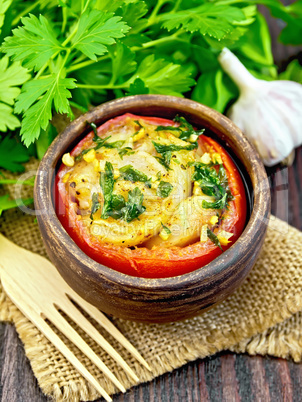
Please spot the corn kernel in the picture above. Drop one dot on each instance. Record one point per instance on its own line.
(193, 137)
(197, 190)
(206, 159)
(66, 177)
(164, 234)
(68, 160)
(216, 158)
(96, 165)
(116, 174)
(213, 220)
(223, 237)
(204, 234)
(89, 156)
(139, 135)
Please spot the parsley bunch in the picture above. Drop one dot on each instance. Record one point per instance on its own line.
(58, 55)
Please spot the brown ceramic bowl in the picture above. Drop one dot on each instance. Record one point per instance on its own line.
(155, 300)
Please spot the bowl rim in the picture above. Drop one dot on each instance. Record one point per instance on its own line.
(44, 187)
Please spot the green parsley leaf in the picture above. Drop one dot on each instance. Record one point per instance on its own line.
(12, 154)
(123, 62)
(110, 5)
(168, 128)
(7, 203)
(132, 13)
(7, 119)
(107, 184)
(215, 89)
(100, 142)
(213, 184)
(162, 148)
(45, 92)
(95, 205)
(134, 205)
(161, 76)
(10, 77)
(115, 144)
(34, 43)
(209, 19)
(125, 151)
(128, 172)
(164, 189)
(96, 31)
(213, 238)
(4, 4)
(165, 159)
(137, 87)
(166, 229)
(118, 204)
(94, 129)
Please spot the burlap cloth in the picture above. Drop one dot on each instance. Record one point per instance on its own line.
(263, 316)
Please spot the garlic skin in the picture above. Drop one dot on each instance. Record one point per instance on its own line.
(268, 112)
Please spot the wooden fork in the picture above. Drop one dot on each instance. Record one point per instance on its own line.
(37, 289)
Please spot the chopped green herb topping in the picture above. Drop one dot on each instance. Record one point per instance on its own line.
(164, 189)
(100, 142)
(213, 183)
(117, 204)
(94, 128)
(125, 151)
(187, 128)
(114, 204)
(213, 238)
(184, 130)
(128, 172)
(107, 184)
(165, 159)
(116, 144)
(168, 128)
(95, 204)
(134, 206)
(138, 123)
(162, 148)
(166, 152)
(166, 229)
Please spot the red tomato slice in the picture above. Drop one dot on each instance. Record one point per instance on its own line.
(157, 262)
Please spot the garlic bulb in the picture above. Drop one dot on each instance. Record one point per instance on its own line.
(268, 112)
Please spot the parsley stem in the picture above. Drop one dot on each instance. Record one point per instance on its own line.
(25, 12)
(86, 63)
(68, 39)
(12, 181)
(105, 86)
(85, 7)
(160, 40)
(155, 11)
(176, 5)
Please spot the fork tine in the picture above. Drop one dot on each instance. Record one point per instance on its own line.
(59, 321)
(101, 319)
(77, 316)
(15, 295)
(60, 345)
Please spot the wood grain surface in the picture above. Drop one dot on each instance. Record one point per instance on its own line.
(224, 377)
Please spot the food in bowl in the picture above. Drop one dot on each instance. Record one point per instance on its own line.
(150, 197)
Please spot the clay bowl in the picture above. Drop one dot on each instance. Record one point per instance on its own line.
(155, 300)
